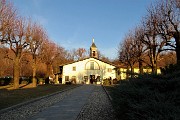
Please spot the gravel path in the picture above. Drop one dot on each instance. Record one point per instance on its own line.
(28, 110)
(98, 107)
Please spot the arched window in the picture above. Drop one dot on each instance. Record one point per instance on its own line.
(94, 53)
(92, 65)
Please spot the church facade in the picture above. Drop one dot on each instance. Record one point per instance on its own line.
(89, 70)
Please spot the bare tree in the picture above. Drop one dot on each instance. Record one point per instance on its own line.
(17, 41)
(36, 37)
(25, 66)
(49, 51)
(7, 16)
(13, 34)
(140, 47)
(127, 52)
(81, 53)
(6, 65)
(167, 58)
(103, 57)
(60, 59)
(152, 40)
(167, 13)
(69, 55)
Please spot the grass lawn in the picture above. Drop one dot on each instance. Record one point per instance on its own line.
(147, 98)
(13, 97)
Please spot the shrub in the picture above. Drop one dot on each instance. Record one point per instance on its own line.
(25, 80)
(68, 82)
(5, 81)
(170, 69)
(106, 82)
(147, 98)
(40, 81)
(115, 81)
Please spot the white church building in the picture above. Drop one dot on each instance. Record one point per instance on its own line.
(89, 70)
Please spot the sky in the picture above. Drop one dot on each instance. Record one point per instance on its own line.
(74, 23)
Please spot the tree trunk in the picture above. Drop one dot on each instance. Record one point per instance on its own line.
(34, 80)
(16, 72)
(48, 73)
(154, 67)
(127, 73)
(153, 60)
(155, 71)
(132, 71)
(48, 70)
(57, 79)
(140, 67)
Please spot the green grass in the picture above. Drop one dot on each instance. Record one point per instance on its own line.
(147, 98)
(13, 97)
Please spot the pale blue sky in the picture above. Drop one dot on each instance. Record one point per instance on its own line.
(73, 23)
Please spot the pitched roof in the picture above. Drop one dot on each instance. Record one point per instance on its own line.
(89, 58)
(93, 45)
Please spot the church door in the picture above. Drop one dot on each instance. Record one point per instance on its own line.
(92, 79)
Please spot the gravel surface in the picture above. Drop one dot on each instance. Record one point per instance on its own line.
(25, 111)
(98, 107)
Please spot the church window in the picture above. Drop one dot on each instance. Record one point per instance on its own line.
(92, 65)
(94, 54)
(74, 68)
(109, 70)
(66, 78)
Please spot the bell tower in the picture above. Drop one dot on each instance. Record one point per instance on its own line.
(93, 50)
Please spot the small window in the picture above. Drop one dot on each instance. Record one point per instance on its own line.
(92, 65)
(109, 70)
(74, 68)
(66, 78)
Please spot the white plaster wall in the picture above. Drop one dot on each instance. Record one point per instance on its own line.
(83, 69)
